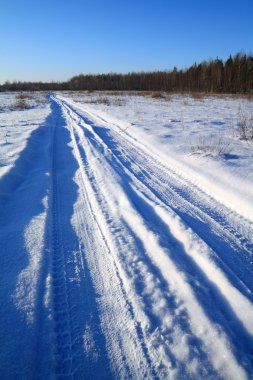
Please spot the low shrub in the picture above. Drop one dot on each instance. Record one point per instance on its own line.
(103, 100)
(21, 104)
(216, 146)
(245, 125)
(118, 102)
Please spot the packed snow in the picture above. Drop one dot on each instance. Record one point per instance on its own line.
(126, 239)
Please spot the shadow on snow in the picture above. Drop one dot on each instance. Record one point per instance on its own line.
(30, 348)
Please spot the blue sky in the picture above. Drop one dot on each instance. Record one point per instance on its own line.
(54, 40)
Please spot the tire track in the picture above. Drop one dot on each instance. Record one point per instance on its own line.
(218, 226)
(90, 201)
(109, 164)
(60, 301)
(106, 156)
(71, 307)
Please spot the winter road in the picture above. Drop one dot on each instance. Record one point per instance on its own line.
(115, 265)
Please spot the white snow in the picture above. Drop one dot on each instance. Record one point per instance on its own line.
(126, 250)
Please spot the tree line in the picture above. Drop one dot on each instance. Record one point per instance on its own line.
(234, 75)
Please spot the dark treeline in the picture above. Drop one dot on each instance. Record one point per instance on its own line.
(234, 75)
(33, 86)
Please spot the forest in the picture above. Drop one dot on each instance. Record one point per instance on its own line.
(234, 75)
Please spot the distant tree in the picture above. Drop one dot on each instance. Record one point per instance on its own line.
(233, 75)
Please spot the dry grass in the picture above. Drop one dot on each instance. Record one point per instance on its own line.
(106, 101)
(153, 95)
(22, 96)
(103, 100)
(97, 100)
(238, 96)
(119, 102)
(141, 93)
(216, 146)
(197, 95)
(116, 93)
(245, 125)
(158, 95)
(40, 100)
(202, 95)
(21, 104)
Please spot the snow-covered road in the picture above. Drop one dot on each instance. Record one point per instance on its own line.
(115, 264)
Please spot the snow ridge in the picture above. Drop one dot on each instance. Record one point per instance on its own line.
(120, 265)
(96, 146)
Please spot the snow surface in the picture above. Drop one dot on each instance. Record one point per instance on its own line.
(126, 250)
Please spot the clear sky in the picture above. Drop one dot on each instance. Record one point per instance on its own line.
(56, 39)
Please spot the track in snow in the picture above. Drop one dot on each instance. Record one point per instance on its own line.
(143, 274)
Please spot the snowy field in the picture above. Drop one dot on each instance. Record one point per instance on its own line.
(126, 245)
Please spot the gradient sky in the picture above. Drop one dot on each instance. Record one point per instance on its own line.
(56, 39)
